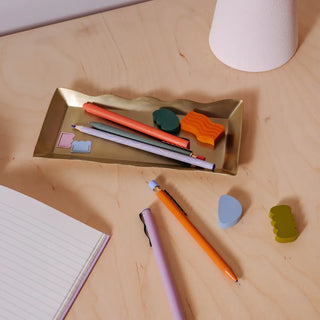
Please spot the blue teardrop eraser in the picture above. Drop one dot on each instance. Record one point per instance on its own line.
(229, 211)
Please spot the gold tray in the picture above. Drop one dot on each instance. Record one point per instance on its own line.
(65, 109)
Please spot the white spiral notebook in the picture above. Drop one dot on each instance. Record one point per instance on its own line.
(45, 258)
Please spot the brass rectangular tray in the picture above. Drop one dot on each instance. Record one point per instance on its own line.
(65, 109)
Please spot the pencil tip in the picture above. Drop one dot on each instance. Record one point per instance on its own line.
(73, 125)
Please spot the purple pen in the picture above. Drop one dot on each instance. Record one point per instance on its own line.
(162, 265)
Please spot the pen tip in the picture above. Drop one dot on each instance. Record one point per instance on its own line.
(73, 125)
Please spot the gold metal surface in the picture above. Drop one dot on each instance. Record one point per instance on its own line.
(65, 109)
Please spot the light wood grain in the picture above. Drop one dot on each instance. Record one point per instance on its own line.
(160, 48)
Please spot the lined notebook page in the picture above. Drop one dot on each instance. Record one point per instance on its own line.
(45, 257)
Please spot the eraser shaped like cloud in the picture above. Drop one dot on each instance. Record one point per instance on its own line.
(81, 147)
(65, 140)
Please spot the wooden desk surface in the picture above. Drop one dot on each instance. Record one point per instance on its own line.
(160, 49)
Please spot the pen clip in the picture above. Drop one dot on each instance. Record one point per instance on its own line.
(175, 201)
(145, 228)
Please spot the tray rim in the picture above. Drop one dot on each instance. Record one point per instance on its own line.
(62, 92)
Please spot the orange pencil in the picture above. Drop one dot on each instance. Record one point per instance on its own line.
(204, 244)
(135, 125)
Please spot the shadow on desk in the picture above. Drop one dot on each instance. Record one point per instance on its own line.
(308, 14)
(297, 211)
(7, 155)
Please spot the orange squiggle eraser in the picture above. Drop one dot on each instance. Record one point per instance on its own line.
(202, 127)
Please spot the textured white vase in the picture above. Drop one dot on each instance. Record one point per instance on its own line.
(254, 35)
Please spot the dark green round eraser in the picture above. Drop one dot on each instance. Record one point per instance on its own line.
(167, 120)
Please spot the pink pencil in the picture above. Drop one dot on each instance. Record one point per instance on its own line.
(136, 125)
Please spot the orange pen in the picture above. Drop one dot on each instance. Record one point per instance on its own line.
(204, 244)
(135, 125)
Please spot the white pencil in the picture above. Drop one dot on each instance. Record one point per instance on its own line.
(146, 147)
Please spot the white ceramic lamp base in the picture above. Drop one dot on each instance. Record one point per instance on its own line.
(254, 35)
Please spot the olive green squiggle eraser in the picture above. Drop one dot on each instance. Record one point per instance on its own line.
(283, 223)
